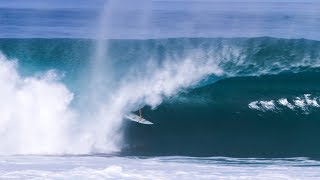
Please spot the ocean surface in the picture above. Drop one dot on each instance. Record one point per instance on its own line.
(233, 90)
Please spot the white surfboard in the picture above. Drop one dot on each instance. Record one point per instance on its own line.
(136, 118)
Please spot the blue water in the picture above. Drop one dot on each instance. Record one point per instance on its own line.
(162, 19)
(231, 87)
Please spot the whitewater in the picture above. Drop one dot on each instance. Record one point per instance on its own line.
(57, 128)
(233, 90)
(174, 167)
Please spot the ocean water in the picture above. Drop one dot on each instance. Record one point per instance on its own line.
(233, 90)
(173, 167)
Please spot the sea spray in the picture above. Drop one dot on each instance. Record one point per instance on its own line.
(58, 128)
(35, 114)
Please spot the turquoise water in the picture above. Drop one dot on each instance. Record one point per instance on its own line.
(258, 92)
(232, 90)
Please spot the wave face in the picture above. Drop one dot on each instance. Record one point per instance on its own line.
(266, 116)
(232, 97)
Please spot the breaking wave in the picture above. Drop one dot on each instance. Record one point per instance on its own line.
(46, 107)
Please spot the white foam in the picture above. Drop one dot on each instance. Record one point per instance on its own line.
(311, 102)
(284, 102)
(156, 168)
(304, 103)
(35, 113)
(300, 103)
(37, 118)
(262, 105)
(268, 105)
(254, 105)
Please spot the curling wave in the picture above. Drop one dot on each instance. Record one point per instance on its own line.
(183, 80)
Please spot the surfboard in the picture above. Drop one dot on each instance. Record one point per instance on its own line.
(136, 118)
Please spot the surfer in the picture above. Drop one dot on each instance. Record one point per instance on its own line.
(140, 114)
(137, 118)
